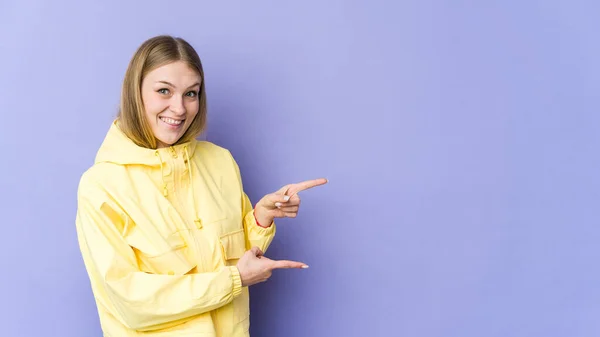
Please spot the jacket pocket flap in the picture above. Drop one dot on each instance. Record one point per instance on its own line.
(234, 244)
(171, 260)
(174, 262)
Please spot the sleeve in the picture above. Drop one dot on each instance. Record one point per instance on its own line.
(140, 300)
(256, 235)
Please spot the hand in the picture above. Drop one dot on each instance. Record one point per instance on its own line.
(255, 268)
(283, 203)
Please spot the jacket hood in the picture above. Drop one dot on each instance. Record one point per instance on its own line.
(119, 149)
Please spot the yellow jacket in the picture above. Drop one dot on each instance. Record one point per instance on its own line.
(160, 232)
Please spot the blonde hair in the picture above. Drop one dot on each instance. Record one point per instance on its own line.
(153, 53)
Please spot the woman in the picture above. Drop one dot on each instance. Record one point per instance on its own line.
(169, 239)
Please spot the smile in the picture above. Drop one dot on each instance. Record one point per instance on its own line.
(171, 121)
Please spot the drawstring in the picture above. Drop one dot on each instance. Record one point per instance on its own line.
(197, 220)
(162, 175)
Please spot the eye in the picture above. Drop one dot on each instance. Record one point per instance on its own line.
(192, 94)
(163, 91)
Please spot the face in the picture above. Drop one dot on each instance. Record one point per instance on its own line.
(171, 100)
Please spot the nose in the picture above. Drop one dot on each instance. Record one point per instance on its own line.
(177, 105)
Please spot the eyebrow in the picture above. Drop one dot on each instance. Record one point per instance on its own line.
(170, 84)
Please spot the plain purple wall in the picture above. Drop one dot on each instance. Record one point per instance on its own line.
(461, 141)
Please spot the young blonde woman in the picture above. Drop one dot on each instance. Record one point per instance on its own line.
(168, 236)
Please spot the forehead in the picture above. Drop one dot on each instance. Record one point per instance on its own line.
(177, 73)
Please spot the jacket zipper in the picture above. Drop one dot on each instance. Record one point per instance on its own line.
(178, 188)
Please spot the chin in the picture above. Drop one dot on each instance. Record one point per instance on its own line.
(167, 141)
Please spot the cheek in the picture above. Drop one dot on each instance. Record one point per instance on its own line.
(192, 109)
(154, 105)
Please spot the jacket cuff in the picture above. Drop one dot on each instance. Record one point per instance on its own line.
(251, 220)
(237, 281)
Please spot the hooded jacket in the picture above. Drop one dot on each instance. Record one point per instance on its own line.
(160, 232)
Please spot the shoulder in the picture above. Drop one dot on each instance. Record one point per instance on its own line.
(211, 150)
(97, 180)
(96, 204)
(217, 159)
(212, 154)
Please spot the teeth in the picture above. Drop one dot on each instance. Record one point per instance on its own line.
(171, 121)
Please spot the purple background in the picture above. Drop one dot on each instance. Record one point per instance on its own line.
(460, 139)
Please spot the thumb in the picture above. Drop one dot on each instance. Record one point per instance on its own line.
(284, 189)
(273, 199)
(256, 251)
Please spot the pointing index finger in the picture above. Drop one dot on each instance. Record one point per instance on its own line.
(286, 264)
(295, 188)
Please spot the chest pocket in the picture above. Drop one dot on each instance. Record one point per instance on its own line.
(168, 255)
(233, 246)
